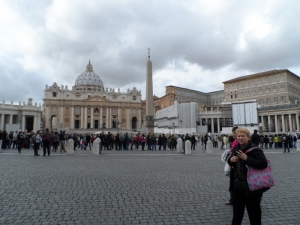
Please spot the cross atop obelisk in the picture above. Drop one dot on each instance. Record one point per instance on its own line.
(149, 53)
(149, 119)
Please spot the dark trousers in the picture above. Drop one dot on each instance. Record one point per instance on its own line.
(19, 147)
(46, 147)
(193, 146)
(252, 203)
(36, 148)
(286, 147)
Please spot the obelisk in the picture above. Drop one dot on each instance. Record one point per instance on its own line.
(149, 119)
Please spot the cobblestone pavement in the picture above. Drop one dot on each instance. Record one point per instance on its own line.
(135, 187)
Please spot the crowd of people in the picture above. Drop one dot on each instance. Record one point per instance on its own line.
(53, 141)
(124, 141)
(285, 141)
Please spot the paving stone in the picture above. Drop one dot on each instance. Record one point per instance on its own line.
(135, 187)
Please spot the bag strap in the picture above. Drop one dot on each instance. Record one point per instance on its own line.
(250, 149)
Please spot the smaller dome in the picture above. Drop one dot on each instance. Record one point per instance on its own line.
(89, 78)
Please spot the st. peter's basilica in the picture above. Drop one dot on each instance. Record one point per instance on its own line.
(90, 105)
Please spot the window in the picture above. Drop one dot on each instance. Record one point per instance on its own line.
(123, 98)
(53, 94)
(261, 101)
(134, 111)
(133, 98)
(77, 110)
(114, 111)
(67, 96)
(275, 100)
(282, 99)
(96, 123)
(77, 124)
(268, 101)
(104, 111)
(54, 109)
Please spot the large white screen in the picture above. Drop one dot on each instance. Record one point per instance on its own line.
(244, 113)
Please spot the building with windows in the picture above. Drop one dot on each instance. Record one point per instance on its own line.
(91, 106)
(277, 93)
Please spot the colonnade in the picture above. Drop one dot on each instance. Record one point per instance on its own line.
(214, 125)
(95, 117)
(285, 122)
(16, 118)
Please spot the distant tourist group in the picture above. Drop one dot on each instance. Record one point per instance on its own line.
(50, 141)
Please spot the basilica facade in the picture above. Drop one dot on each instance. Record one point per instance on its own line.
(89, 106)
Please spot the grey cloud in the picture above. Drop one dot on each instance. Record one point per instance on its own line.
(115, 37)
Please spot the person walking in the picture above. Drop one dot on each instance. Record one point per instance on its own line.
(285, 141)
(153, 142)
(46, 139)
(164, 142)
(55, 141)
(255, 139)
(193, 142)
(275, 141)
(37, 142)
(232, 145)
(62, 140)
(143, 141)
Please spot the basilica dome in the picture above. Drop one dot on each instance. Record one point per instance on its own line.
(88, 78)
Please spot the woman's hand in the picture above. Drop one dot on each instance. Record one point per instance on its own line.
(234, 159)
(242, 155)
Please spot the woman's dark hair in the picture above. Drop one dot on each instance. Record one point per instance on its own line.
(234, 129)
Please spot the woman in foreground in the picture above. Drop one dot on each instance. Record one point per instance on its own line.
(241, 195)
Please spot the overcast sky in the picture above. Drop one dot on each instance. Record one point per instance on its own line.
(194, 44)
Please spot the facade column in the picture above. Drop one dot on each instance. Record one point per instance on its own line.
(108, 113)
(72, 118)
(47, 118)
(101, 117)
(38, 122)
(2, 122)
(128, 120)
(85, 117)
(106, 117)
(119, 126)
(283, 123)
(92, 117)
(139, 119)
(297, 122)
(34, 123)
(23, 122)
(276, 125)
(263, 122)
(11, 118)
(61, 116)
(212, 125)
(290, 122)
(269, 123)
(81, 117)
(218, 120)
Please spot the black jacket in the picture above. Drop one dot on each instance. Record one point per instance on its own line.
(255, 139)
(256, 159)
